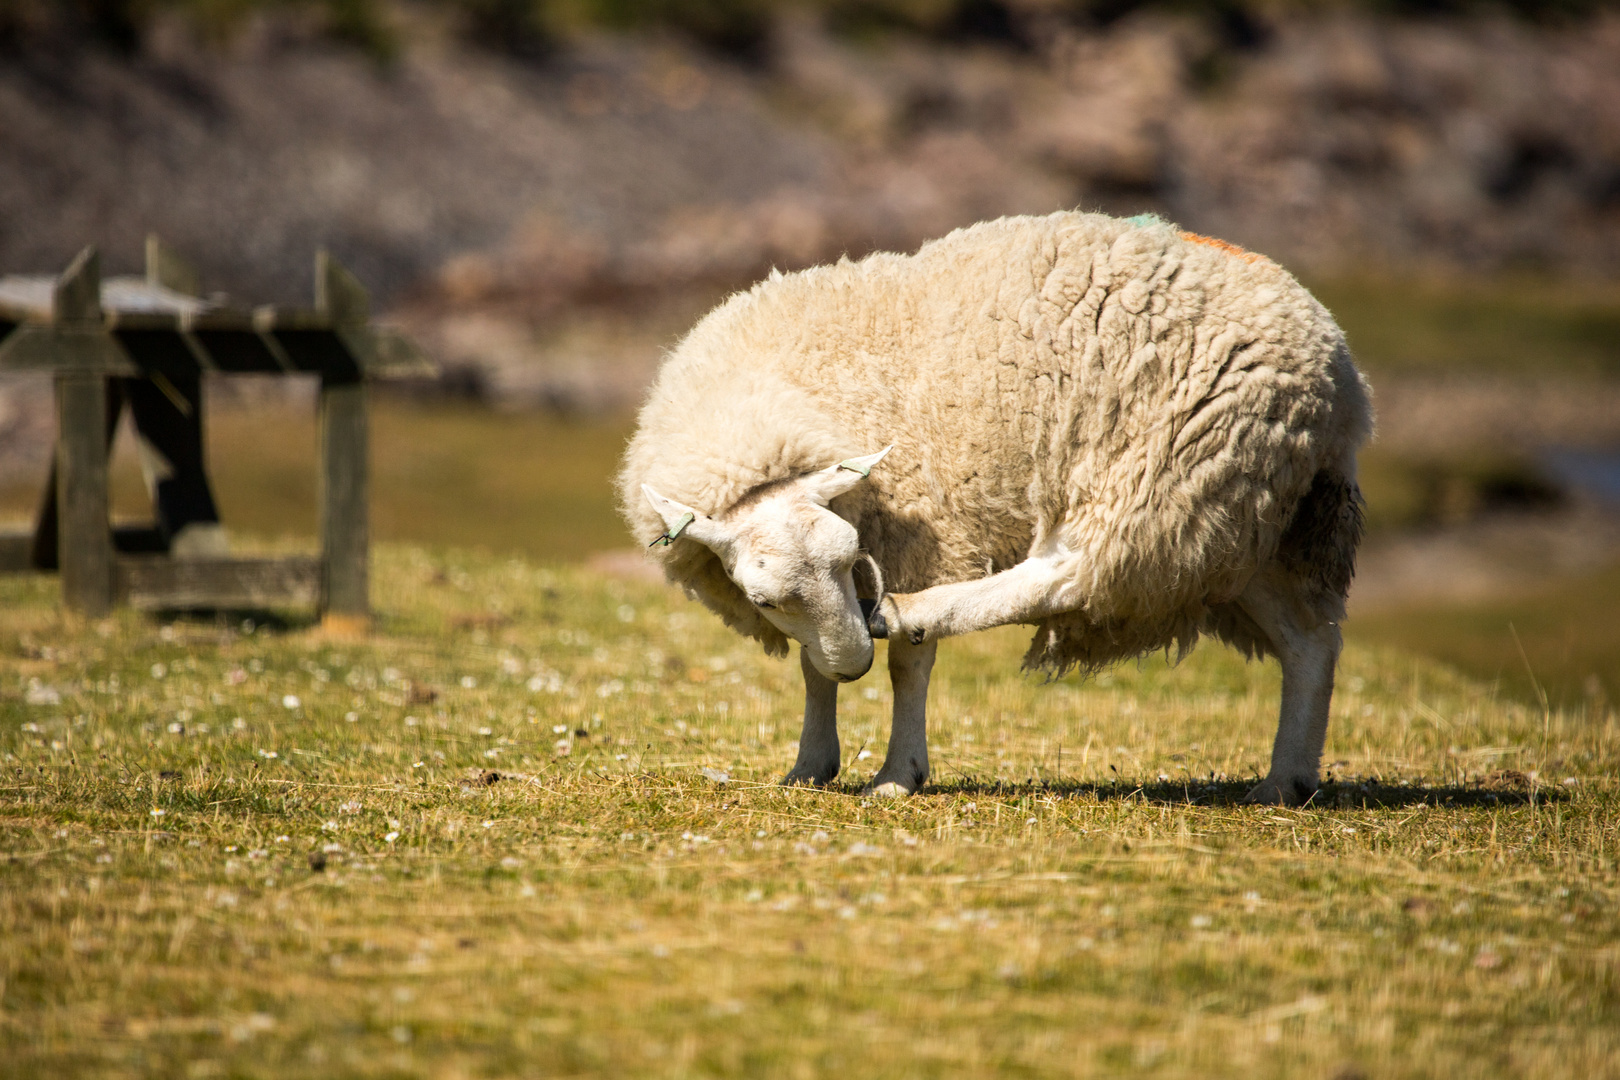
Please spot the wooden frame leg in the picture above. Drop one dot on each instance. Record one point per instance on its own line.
(84, 536)
(345, 494)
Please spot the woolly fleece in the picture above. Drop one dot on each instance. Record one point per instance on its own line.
(1152, 405)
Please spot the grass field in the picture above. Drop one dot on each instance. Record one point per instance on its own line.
(246, 850)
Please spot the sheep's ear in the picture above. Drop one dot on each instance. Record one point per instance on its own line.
(833, 481)
(682, 520)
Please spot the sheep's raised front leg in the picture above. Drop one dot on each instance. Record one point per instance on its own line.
(905, 766)
(1028, 592)
(818, 760)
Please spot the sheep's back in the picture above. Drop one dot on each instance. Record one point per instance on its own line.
(1151, 403)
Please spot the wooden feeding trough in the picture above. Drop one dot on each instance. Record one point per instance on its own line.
(148, 342)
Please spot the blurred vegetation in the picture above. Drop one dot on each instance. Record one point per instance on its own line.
(736, 27)
(1527, 326)
(1407, 492)
(434, 478)
(1556, 645)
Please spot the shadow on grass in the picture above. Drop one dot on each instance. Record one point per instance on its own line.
(258, 620)
(1333, 795)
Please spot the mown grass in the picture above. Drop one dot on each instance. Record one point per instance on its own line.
(1078, 894)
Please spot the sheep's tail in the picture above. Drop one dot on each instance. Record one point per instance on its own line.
(1320, 543)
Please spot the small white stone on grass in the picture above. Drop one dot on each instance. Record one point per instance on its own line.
(290, 701)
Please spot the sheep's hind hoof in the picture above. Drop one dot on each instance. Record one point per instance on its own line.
(805, 779)
(1287, 792)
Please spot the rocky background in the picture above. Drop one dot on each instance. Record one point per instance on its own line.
(448, 171)
(549, 204)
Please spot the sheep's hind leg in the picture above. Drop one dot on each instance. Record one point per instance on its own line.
(1308, 654)
(818, 760)
(905, 766)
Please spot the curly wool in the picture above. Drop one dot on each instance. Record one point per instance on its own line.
(1155, 405)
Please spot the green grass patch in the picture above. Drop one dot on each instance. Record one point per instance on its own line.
(1529, 327)
(1078, 894)
(1405, 492)
(521, 483)
(1559, 643)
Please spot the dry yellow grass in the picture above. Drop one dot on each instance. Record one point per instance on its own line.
(1077, 895)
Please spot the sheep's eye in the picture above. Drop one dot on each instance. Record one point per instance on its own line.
(762, 603)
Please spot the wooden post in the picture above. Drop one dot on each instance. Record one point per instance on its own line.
(84, 538)
(166, 268)
(345, 460)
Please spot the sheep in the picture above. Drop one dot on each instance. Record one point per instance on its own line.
(1124, 434)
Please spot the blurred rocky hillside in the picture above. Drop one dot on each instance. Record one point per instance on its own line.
(490, 191)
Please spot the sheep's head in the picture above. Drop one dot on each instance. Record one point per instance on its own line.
(794, 559)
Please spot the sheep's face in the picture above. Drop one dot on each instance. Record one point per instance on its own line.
(794, 559)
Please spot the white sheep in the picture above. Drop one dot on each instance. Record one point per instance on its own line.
(1124, 434)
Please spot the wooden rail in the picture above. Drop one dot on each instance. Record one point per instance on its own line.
(155, 332)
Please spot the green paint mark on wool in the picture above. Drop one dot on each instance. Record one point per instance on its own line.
(1143, 221)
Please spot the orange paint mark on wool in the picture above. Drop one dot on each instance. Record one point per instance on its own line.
(1222, 245)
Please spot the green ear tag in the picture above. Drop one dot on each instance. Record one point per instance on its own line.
(855, 466)
(675, 530)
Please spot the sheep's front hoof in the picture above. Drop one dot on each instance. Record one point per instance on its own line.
(890, 789)
(893, 782)
(1284, 791)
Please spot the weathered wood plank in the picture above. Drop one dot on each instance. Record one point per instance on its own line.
(339, 296)
(159, 583)
(76, 295)
(84, 538)
(166, 268)
(345, 494)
